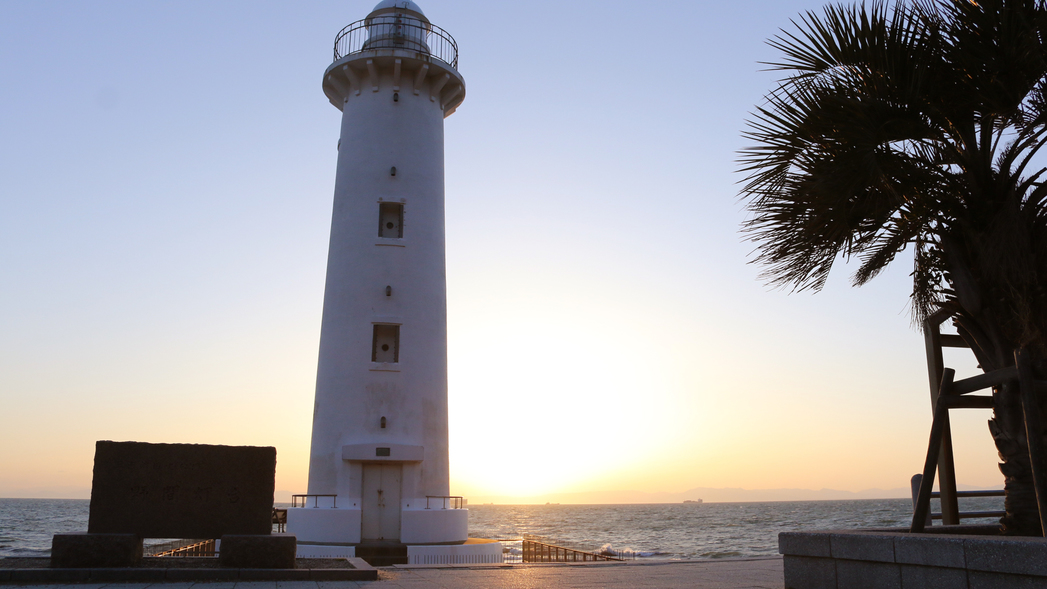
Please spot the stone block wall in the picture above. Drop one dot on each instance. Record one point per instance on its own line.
(965, 558)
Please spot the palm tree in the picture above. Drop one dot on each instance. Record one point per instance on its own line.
(917, 126)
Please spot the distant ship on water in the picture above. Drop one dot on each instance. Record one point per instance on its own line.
(692, 501)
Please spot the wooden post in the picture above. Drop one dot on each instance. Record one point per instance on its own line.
(935, 370)
(1033, 433)
(914, 487)
(941, 414)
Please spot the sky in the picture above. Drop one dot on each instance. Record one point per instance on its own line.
(166, 180)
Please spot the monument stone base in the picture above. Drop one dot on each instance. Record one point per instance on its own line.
(79, 550)
(248, 551)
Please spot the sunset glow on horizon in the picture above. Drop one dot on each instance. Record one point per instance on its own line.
(165, 212)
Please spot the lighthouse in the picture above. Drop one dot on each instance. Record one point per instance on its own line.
(378, 465)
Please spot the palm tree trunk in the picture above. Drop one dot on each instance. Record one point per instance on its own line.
(980, 321)
(1008, 431)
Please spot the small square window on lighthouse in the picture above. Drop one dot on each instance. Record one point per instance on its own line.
(385, 345)
(391, 220)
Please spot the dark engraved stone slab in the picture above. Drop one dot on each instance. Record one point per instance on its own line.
(182, 490)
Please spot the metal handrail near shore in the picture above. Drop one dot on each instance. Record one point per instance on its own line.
(396, 31)
(917, 480)
(205, 548)
(535, 551)
(316, 499)
(454, 501)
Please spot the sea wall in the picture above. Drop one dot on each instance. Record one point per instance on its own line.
(957, 557)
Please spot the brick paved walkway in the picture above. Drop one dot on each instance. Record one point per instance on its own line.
(761, 573)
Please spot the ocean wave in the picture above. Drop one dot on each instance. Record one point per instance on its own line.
(609, 550)
(721, 554)
(9, 552)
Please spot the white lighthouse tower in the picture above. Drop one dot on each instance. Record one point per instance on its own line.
(378, 468)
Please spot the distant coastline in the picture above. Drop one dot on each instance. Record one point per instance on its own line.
(708, 495)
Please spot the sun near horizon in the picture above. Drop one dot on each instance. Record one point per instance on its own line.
(166, 209)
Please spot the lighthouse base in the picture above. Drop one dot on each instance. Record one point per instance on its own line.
(332, 531)
(474, 551)
(325, 525)
(434, 526)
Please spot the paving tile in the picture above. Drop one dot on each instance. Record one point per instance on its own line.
(727, 574)
(127, 575)
(251, 585)
(192, 577)
(49, 575)
(171, 585)
(211, 585)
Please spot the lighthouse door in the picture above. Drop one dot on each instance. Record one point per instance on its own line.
(380, 517)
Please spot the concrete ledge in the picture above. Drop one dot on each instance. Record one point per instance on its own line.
(146, 575)
(50, 575)
(434, 526)
(1024, 556)
(809, 572)
(942, 552)
(865, 574)
(804, 544)
(896, 559)
(937, 577)
(127, 574)
(274, 574)
(874, 548)
(201, 574)
(325, 526)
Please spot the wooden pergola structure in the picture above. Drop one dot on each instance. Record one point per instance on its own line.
(948, 393)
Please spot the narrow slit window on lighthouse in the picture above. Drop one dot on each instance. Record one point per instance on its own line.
(391, 220)
(385, 346)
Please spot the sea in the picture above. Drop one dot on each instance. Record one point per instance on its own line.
(670, 531)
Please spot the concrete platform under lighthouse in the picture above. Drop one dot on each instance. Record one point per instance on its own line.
(328, 531)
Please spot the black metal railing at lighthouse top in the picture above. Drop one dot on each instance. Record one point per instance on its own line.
(396, 31)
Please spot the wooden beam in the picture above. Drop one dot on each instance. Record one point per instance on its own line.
(984, 381)
(946, 466)
(971, 402)
(1033, 433)
(930, 465)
